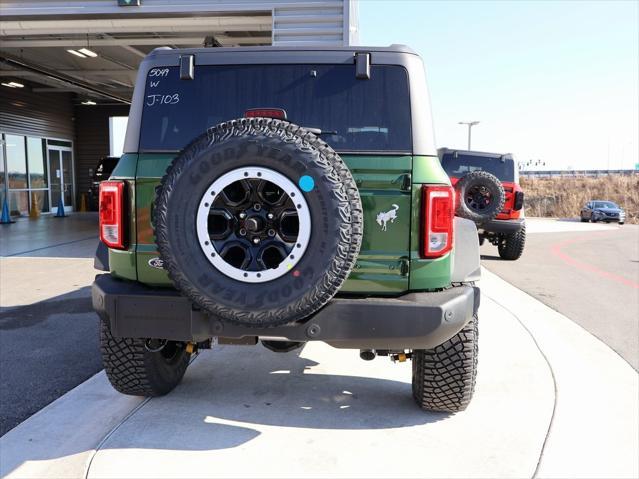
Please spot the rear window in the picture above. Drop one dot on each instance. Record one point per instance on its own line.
(355, 115)
(458, 167)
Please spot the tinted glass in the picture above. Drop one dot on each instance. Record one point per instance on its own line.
(37, 165)
(362, 115)
(458, 167)
(605, 204)
(16, 161)
(59, 143)
(105, 168)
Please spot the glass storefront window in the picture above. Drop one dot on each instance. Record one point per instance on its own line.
(59, 143)
(3, 184)
(18, 203)
(36, 154)
(16, 161)
(25, 169)
(41, 198)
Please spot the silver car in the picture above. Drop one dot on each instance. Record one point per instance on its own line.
(607, 211)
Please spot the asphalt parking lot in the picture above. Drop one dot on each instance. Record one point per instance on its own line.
(48, 330)
(589, 272)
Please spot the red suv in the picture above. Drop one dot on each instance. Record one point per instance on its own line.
(489, 194)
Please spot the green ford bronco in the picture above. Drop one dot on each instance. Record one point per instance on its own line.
(285, 195)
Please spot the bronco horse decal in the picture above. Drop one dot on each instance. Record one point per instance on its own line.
(385, 216)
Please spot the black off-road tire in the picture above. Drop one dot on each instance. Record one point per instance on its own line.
(583, 220)
(134, 370)
(335, 211)
(511, 246)
(479, 213)
(444, 377)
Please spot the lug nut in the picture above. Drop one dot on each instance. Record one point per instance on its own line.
(242, 216)
(270, 216)
(256, 241)
(257, 207)
(242, 231)
(271, 232)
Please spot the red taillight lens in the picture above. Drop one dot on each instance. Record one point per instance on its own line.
(438, 210)
(277, 113)
(111, 212)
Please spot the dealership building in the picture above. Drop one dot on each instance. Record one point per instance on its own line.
(67, 71)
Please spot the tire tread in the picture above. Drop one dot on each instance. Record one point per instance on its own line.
(127, 368)
(512, 246)
(444, 377)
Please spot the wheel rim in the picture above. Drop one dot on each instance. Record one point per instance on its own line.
(253, 224)
(478, 198)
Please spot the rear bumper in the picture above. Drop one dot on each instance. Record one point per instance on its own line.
(503, 226)
(412, 321)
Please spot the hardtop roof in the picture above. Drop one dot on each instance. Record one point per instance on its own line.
(395, 48)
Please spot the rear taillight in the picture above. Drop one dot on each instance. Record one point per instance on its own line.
(438, 210)
(111, 214)
(519, 200)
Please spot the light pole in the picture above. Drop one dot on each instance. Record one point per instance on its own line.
(470, 126)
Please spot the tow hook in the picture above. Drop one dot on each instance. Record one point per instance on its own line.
(400, 357)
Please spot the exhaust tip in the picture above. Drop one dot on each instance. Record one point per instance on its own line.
(367, 354)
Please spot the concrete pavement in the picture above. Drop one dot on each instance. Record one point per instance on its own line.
(245, 411)
(595, 427)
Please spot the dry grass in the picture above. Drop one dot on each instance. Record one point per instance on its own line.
(564, 197)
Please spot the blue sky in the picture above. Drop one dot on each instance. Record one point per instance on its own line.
(550, 80)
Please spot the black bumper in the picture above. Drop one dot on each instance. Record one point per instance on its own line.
(503, 226)
(412, 321)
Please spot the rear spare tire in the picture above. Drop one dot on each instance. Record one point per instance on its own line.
(258, 222)
(481, 197)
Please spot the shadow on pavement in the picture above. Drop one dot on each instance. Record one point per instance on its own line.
(46, 349)
(256, 386)
(490, 257)
(229, 397)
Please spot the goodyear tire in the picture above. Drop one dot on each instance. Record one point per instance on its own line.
(480, 196)
(444, 377)
(511, 246)
(133, 368)
(258, 222)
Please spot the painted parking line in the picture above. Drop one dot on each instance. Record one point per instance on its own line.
(557, 250)
(93, 237)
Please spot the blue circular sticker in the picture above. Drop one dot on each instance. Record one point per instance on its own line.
(306, 183)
